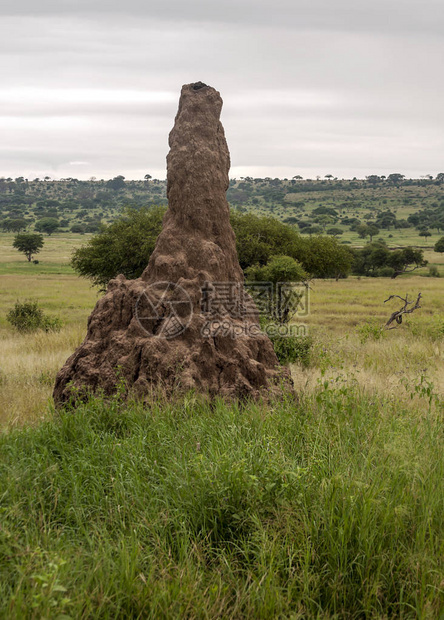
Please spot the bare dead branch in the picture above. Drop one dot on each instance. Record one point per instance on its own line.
(399, 272)
(405, 309)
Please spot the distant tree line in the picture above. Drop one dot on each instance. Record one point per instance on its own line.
(83, 206)
(126, 245)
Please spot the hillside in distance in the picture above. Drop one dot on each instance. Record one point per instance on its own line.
(403, 211)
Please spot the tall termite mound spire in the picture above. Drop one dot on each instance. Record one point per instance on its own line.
(197, 238)
(187, 322)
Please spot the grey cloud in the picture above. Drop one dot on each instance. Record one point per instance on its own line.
(153, 113)
(378, 15)
(345, 86)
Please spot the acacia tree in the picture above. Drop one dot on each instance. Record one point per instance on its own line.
(47, 225)
(116, 183)
(367, 230)
(395, 178)
(406, 261)
(28, 243)
(372, 230)
(122, 247)
(375, 256)
(335, 232)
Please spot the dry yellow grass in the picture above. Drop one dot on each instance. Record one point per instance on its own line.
(347, 303)
(29, 362)
(344, 319)
(28, 367)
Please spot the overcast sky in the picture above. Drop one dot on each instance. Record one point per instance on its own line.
(310, 87)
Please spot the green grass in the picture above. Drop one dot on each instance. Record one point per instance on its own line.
(67, 296)
(53, 259)
(31, 270)
(327, 508)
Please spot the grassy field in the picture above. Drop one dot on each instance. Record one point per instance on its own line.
(344, 321)
(329, 506)
(53, 258)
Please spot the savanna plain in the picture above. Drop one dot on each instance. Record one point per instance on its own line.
(326, 506)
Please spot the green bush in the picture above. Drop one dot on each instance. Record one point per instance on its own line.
(385, 272)
(26, 316)
(439, 245)
(292, 349)
(125, 246)
(289, 349)
(279, 268)
(371, 330)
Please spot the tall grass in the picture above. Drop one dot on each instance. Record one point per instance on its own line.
(28, 366)
(330, 507)
(29, 362)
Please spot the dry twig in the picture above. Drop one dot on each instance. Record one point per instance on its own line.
(397, 316)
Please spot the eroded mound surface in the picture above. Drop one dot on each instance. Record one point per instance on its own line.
(187, 322)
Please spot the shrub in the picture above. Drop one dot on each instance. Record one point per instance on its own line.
(385, 272)
(292, 349)
(278, 269)
(289, 349)
(78, 228)
(371, 330)
(26, 316)
(433, 271)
